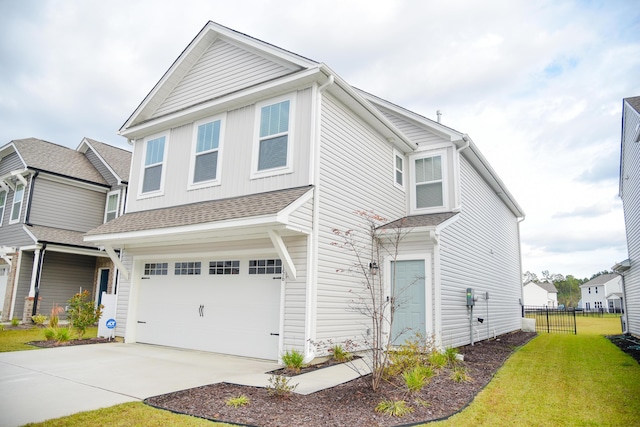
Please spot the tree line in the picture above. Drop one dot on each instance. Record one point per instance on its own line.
(568, 286)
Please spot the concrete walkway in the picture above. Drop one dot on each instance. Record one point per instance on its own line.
(50, 383)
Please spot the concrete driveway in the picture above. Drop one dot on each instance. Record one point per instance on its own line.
(43, 384)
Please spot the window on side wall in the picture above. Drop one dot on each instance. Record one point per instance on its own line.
(154, 162)
(398, 169)
(16, 209)
(272, 154)
(113, 203)
(3, 202)
(428, 184)
(206, 152)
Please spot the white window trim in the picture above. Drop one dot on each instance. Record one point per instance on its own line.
(255, 173)
(194, 145)
(396, 153)
(445, 182)
(4, 206)
(160, 191)
(17, 220)
(106, 205)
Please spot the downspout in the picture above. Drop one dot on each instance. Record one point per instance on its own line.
(519, 220)
(30, 199)
(34, 311)
(467, 143)
(312, 275)
(437, 289)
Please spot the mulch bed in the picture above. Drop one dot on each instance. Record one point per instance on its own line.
(84, 341)
(350, 404)
(628, 344)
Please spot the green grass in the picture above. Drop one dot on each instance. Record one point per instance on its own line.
(15, 339)
(562, 380)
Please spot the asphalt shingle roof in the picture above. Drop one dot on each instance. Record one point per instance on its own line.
(118, 158)
(203, 212)
(634, 102)
(47, 156)
(58, 235)
(601, 279)
(427, 220)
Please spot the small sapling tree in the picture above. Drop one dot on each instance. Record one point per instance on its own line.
(83, 312)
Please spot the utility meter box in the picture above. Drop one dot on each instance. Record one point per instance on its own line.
(470, 297)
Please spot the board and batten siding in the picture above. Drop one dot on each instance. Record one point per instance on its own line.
(480, 250)
(66, 206)
(10, 163)
(235, 165)
(630, 192)
(222, 69)
(57, 285)
(356, 174)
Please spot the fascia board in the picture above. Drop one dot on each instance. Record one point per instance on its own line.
(29, 233)
(11, 148)
(283, 215)
(223, 103)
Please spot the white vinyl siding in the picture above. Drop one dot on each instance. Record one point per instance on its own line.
(630, 194)
(480, 250)
(206, 156)
(355, 176)
(113, 204)
(416, 133)
(223, 68)
(153, 173)
(274, 141)
(16, 207)
(3, 202)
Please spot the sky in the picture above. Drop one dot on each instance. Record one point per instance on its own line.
(537, 85)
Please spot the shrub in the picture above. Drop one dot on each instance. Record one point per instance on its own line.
(417, 377)
(279, 386)
(15, 321)
(340, 354)
(293, 360)
(452, 356)
(50, 333)
(395, 408)
(56, 311)
(62, 334)
(460, 375)
(82, 312)
(39, 319)
(438, 360)
(238, 401)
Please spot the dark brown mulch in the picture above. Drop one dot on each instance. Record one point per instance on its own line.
(287, 372)
(350, 404)
(84, 341)
(627, 343)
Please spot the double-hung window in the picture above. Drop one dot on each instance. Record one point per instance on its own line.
(16, 209)
(273, 146)
(429, 188)
(3, 202)
(113, 203)
(398, 169)
(206, 152)
(154, 161)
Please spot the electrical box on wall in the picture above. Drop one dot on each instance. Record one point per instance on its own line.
(470, 297)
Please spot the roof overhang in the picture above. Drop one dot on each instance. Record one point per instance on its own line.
(621, 267)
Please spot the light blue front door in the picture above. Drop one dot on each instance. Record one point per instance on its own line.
(407, 285)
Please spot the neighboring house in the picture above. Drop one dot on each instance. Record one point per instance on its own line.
(543, 294)
(246, 157)
(602, 293)
(629, 192)
(50, 196)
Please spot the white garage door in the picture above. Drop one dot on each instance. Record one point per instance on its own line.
(227, 306)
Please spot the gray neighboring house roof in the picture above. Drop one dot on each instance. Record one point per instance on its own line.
(547, 286)
(601, 279)
(203, 212)
(119, 159)
(54, 158)
(58, 236)
(416, 221)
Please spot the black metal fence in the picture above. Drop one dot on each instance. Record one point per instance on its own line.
(552, 320)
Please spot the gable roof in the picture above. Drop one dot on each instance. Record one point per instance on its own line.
(253, 205)
(601, 279)
(42, 234)
(58, 160)
(547, 286)
(117, 159)
(634, 102)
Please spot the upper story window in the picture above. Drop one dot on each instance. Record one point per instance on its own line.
(273, 142)
(3, 202)
(113, 203)
(206, 152)
(154, 162)
(17, 204)
(398, 169)
(428, 183)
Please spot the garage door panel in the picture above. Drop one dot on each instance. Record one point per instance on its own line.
(234, 314)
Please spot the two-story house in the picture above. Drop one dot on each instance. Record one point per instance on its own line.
(246, 158)
(602, 293)
(50, 196)
(543, 294)
(629, 192)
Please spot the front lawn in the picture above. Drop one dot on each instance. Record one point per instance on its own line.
(16, 339)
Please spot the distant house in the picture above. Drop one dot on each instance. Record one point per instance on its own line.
(602, 293)
(629, 192)
(50, 196)
(542, 294)
(246, 158)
